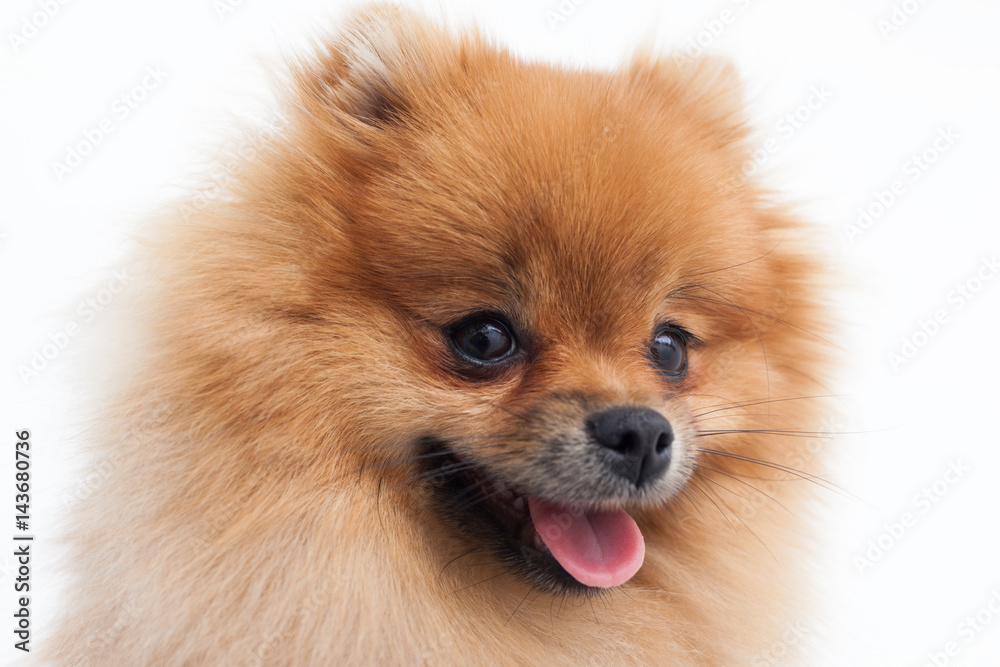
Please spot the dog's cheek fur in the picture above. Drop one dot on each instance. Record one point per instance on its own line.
(248, 518)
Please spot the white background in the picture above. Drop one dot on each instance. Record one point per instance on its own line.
(888, 93)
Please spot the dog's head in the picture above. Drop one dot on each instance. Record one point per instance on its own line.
(526, 294)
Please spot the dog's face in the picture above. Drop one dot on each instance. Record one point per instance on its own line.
(539, 281)
(462, 305)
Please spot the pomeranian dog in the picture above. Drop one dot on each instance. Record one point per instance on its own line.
(477, 361)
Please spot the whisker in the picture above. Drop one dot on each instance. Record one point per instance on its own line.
(378, 505)
(496, 405)
(429, 455)
(763, 351)
(506, 438)
(734, 266)
(713, 482)
(758, 402)
(737, 479)
(725, 516)
(684, 492)
(742, 523)
(783, 468)
(697, 420)
(459, 556)
(470, 492)
(770, 317)
(774, 431)
(450, 469)
(518, 606)
(483, 581)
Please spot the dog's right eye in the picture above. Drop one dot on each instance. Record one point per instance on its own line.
(483, 339)
(669, 351)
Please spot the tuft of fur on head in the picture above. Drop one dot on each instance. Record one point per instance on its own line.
(267, 502)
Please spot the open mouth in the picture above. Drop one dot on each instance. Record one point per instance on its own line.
(555, 546)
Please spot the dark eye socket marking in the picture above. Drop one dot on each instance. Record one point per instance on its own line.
(668, 350)
(483, 339)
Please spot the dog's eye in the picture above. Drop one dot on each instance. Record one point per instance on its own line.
(483, 339)
(669, 351)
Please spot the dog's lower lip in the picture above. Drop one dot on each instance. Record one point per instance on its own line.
(498, 495)
(496, 515)
(492, 491)
(581, 549)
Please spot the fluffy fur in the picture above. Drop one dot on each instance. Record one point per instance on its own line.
(265, 501)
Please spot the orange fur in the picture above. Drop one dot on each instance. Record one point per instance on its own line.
(261, 507)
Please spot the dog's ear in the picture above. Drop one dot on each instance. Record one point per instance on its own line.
(708, 90)
(372, 70)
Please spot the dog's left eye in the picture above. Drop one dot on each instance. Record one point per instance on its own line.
(483, 339)
(668, 351)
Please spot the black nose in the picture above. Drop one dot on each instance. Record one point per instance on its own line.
(640, 440)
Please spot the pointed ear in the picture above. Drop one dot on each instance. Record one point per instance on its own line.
(705, 89)
(371, 70)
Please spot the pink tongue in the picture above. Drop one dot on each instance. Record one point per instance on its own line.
(602, 548)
